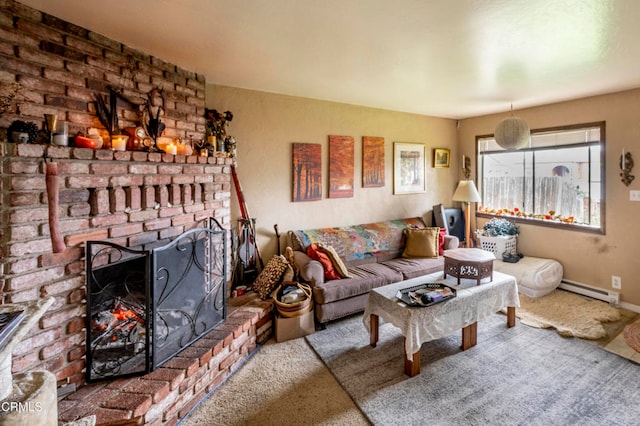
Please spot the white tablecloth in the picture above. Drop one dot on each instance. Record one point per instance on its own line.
(422, 324)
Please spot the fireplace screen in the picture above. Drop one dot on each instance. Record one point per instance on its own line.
(145, 306)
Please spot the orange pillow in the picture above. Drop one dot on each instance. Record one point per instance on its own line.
(315, 253)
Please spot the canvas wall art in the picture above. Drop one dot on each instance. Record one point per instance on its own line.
(372, 161)
(307, 171)
(341, 166)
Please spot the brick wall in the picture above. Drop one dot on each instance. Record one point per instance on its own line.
(60, 67)
(135, 199)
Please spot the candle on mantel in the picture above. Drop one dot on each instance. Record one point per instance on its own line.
(171, 148)
(180, 149)
(119, 142)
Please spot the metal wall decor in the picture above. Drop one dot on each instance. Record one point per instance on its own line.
(626, 166)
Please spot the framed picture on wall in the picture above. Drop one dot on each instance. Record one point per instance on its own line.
(441, 157)
(409, 168)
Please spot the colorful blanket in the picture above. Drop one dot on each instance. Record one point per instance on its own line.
(362, 241)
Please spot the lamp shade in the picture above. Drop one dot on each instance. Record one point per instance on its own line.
(513, 133)
(467, 192)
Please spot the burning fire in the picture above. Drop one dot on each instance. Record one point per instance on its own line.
(122, 315)
(119, 318)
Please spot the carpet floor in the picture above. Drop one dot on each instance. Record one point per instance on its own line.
(281, 384)
(516, 376)
(288, 384)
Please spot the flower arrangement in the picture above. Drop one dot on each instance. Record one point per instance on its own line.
(217, 122)
(498, 227)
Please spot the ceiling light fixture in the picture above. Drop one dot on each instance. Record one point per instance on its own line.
(513, 133)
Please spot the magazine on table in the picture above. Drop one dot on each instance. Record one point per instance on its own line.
(426, 294)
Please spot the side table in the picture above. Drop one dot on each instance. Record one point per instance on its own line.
(472, 263)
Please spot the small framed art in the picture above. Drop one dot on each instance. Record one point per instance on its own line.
(441, 157)
(408, 168)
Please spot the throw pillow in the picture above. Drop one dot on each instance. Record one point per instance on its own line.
(314, 252)
(288, 254)
(421, 242)
(443, 232)
(338, 264)
(270, 276)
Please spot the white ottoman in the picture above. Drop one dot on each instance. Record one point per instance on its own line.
(536, 277)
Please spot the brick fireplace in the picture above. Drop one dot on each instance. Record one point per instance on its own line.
(135, 199)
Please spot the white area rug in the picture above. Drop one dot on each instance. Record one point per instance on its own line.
(569, 313)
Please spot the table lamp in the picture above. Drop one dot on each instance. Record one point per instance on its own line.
(467, 193)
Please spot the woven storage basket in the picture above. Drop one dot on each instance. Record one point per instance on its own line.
(499, 245)
(290, 310)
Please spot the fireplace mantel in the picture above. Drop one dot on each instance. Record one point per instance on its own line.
(134, 199)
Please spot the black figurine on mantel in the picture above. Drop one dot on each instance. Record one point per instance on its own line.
(153, 125)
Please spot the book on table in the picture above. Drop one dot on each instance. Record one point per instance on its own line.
(426, 294)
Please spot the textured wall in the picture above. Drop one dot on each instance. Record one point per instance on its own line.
(265, 125)
(134, 199)
(586, 258)
(60, 67)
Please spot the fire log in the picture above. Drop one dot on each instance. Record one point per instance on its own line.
(54, 203)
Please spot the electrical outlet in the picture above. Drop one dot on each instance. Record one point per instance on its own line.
(616, 282)
(634, 195)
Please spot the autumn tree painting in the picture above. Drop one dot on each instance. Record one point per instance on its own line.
(307, 171)
(372, 161)
(341, 159)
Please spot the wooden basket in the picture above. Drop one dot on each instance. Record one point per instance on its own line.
(290, 310)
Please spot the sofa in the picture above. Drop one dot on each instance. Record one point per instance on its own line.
(373, 256)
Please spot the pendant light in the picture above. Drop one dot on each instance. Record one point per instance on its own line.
(513, 133)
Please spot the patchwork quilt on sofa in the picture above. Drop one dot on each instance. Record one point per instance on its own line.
(357, 242)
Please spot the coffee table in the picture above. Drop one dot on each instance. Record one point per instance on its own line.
(423, 324)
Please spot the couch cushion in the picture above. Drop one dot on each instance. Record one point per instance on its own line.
(314, 252)
(338, 264)
(365, 277)
(421, 242)
(411, 268)
(358, 242)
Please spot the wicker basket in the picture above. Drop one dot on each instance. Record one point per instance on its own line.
(290, 310)
(499, 245)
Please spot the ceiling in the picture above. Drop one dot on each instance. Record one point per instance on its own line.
(446, 58)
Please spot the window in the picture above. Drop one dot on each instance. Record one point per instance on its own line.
(557, 181)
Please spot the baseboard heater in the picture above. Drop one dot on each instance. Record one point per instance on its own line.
(612, 297)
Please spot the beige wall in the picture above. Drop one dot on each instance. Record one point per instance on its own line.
(586, 258)
(265, 126)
